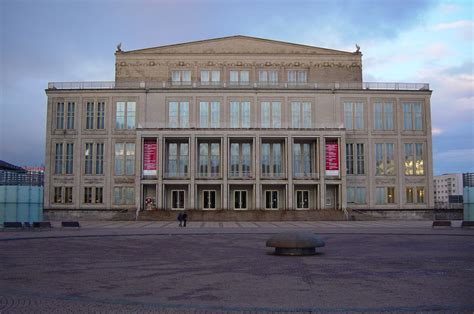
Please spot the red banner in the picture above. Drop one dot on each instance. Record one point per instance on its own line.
(332, 158)
(149, 157)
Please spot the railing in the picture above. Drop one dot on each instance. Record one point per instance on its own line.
(304, 176)
(208, 175)
(275, 175)
(245, 85)
(284, 125)
(176, 175)
(240, 175)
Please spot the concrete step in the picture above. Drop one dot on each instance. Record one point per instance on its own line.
(247, 215)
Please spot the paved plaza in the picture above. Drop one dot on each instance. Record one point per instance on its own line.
(224, 267)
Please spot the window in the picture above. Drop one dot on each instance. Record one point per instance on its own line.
(302, 199)
(209, 199)
(354, 116)
(209, 159)
(355, 158)
(98, 111)
(181, 77)
(209, 114)
(124, 195)
(210, 77)
(412, 117)
(240, 199)
(240, 114)
(177, 160)
(58, 159)
(178, 114)
(383, 116)
(71, 107)
(99, 195)
(93, 195)
(414, 159)
(88, 159)
(415, 195)
(69, 158)
(124, 159)
(272, 159)
(88, 195)
(60, 115)
(301, 114)
(302, 160)
(269, 77)
(270, 114)
(99, 158)
(297, 76)
(239, 77)
(385, 195)
(271, 199)
(384, 159)
(240, 159)
(125, 115)
(177, 199)
(62, 195)
(356, 195)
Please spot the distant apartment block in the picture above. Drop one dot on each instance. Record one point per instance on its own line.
(238, 123)
(448, 189)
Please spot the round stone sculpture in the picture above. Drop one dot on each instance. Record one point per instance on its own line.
(295, 243)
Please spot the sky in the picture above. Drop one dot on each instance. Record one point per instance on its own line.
(408, 41)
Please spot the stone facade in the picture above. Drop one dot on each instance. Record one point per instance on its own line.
(315, 102)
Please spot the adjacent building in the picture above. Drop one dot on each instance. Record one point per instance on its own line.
(448, 190)
(238, 123)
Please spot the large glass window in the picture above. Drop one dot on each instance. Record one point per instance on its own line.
(125, 115)
(58, 159)
(124, 159)
(271, 199)
(412, 116)
(240, 159)
(177, 199)
(99, 160)
(240, 114)
(302, 165)
(209, 77)
(270, 114)
(60, 115)
(209, 159)
(241, 77)
(415, 195)
(71, 108)
(384, 159)
(300, 114)
(385, 195)
(209, 199)
(302, 199)
(268, 77)
(240, 199)
(90, 115)
(178, 114)
(124, 195)
(88, 159)
(383, 116)
(69, 158)
(354, 116)
(414, 164)
(178, 159)
(100, 115)
(209, 114)
(356, 195)
(297, 76)
(181, 77)
(272, 163)
(355, 158)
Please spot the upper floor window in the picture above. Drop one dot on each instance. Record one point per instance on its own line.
(210, 77)
(355, 158)
(124, 159)
(209, 159)
(300, 114)
(241, 77)
(209, 114)
(181, 77)
(302, 160)
(61, 114)
(412, 116)
(240, 114)
(384, 159)
(297, 76)
(271, 114)
(383, 116)
(272, 161)
(125, 115)
(178, 114)
(240, 159)
(89, 158)
(95, 115)
(354, 116)
(61, 164)
(178, 159)
(268, 76)
(414, 159)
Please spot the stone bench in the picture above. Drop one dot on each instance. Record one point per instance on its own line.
(295, 243)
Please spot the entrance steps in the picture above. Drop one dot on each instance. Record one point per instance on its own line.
(247, 215)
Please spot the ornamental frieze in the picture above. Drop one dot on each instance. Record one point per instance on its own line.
(385, 181)
(124, 180)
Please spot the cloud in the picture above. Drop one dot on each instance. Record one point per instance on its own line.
(436, 131)
(454, 25)
(436, 50)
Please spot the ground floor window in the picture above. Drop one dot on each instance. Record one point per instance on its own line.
(356, 195)
(177, 199)
(62, 194)
(209, 199)
(385, 195)
(415, 195)
(93, 195)
(302, 199)
(271, 199)
(240, 199)
(124, 195)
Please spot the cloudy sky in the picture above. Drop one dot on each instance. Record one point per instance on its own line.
(401, 40)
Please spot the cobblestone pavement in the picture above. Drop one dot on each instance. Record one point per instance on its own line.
(155, 267)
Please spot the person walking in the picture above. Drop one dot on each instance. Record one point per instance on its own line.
(185, 218)
(180, 219)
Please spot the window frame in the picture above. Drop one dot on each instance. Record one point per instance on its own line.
(127, 115)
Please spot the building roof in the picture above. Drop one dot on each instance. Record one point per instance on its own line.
(9, 167)
(237, 44)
